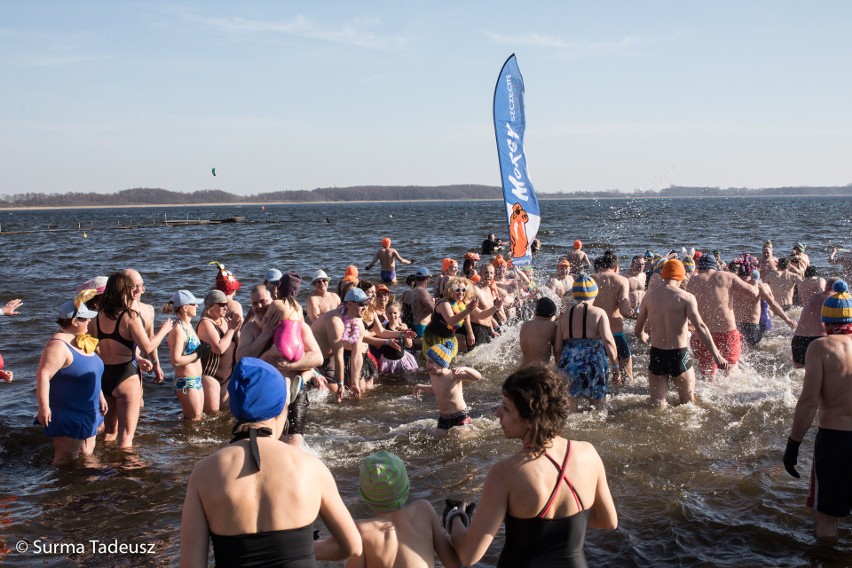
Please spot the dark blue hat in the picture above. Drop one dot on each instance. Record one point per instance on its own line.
(257, 390)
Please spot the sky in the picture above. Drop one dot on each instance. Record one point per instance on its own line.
(295, 95)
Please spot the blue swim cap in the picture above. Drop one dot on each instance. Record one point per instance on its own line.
(257, 390)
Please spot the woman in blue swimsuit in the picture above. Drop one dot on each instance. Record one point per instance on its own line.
(185, 356)
(68, 385)
(548, 493)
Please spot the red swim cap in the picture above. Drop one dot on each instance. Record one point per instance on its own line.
(578, 244)
(386, 242)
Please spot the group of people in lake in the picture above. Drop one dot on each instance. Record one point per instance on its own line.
(261, 362)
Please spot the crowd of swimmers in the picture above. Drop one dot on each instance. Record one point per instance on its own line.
(261, 361)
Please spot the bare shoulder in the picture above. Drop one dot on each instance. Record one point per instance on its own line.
(584, 452)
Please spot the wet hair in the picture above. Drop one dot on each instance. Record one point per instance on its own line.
(541, 396)
(810, 271)
(545, 307)
(468, 265)
(365, 285)
(783, 263)
(606, 261)
(117, 296)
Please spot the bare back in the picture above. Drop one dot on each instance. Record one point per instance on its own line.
(831, 359)
(667, 310)
(405, 538)
(536, 340)
(810, 320)
(712, 290)
(613, 297)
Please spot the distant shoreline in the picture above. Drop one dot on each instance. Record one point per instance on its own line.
(264, 203)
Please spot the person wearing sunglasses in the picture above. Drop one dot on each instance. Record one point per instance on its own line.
(219, 329)
(450, 316)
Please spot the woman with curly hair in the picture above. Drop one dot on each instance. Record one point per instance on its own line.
(548, 493)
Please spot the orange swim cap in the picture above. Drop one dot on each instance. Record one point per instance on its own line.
(498, 261)
(578, 244)
(351, 273)
(563, 262)
(673, 269)
(448, 262)
(386, 242)
(475, 278)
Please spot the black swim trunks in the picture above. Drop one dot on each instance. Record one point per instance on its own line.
(799, 346)
(752, 333)
(482, 333)
(669, 362)
(831, 473)
(447, 421)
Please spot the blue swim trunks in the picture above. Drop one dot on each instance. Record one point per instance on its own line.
(622, 346)
(420, 329)
(388, 276)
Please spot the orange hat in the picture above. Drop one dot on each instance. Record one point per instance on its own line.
(475, 278)
(381, 288)
(498, 261)
(386, 242)
(351, 273)
(673, 269)
(578, 244)
(563, 262)
(448, 262)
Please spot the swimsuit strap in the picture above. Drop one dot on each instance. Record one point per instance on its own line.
(585, 314)
(252, 434)
(571, 322)
(559, 480)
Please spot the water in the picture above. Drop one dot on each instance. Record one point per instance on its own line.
(694, 485)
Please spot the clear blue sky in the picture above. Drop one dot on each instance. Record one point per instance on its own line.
(104, 96)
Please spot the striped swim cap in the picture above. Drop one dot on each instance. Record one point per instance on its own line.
(837, 308)
(384, 482)
(585, 288)
(688, 264)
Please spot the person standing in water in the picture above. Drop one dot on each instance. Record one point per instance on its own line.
(388, 257)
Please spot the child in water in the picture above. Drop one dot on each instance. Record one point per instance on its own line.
(399, 534)
(396, 361)
(446, 385)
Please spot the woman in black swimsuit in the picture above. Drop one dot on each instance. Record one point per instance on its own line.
(548, 493)
(119, 330)
(257, 498)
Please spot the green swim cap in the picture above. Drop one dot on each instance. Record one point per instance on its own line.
(384, 482)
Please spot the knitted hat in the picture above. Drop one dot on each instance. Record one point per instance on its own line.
(706, 262)
(673, 270)
(799, 247)
(351, 274)
(441, 354)
(384, 482)
(837, 308)
(585, 288)
(658, 266)
(688, 264)
(258, 391)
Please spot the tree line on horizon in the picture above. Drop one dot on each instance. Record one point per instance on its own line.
(158, 196)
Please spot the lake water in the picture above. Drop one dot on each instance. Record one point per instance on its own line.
(694, 485)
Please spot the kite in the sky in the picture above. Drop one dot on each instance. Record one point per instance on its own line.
(213, 171)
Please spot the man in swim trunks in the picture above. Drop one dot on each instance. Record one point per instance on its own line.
(387, 257)
(783, 283)
(578, 259)
(614, 298)
(810, 327)
(482, 317)
(148, 362)
(422, 303)
(339, 334)
(667, 309)
(321, 300)
(713, 289)
(827, 387)
(748, 310)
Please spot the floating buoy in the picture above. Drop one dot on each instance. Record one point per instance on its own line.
(85, 236)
